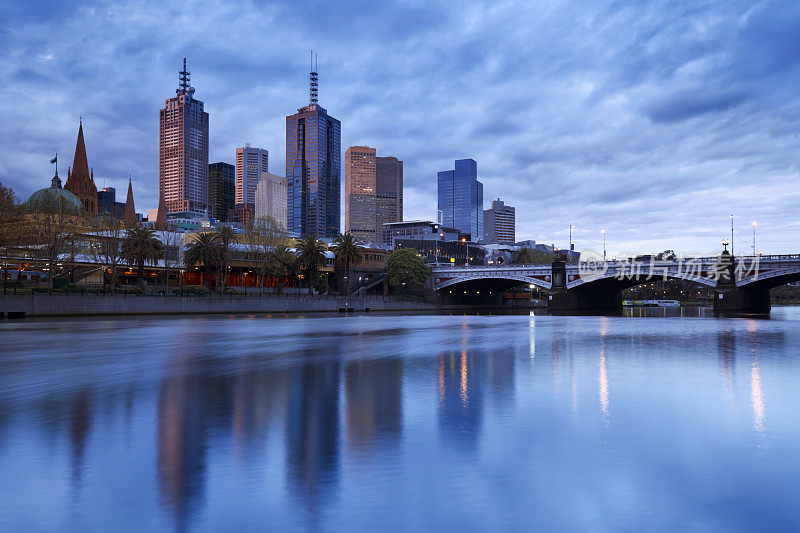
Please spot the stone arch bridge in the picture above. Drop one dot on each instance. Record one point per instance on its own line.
(741, 284)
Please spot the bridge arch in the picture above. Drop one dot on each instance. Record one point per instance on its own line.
(771, 278)
(491, 279)
(575, 281)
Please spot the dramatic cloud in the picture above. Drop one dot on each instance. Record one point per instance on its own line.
(654, 122)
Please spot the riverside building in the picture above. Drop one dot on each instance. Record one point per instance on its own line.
(461, 198)
(183, 151)
(313, 163)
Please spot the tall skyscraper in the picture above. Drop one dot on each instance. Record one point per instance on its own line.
(271, 198)
(360, 206)
(250, 163)
(183, 151)
(80, 181)
(499, 223)
(389, 190)
(221, 189)
(313, 162)
(461, 198)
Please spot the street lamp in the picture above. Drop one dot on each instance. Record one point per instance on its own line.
(570, 242)
(731, 234)
(604, 243)
(755, 224)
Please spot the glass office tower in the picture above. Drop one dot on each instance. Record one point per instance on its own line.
(461, 198)
(313, 162)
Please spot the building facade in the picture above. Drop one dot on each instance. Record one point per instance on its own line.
(313, 164)
(183, 151)
(107, 203)
(499, 224)
(80, 181)
(271, 198)
(461, 198)
(250, 163)
(360, 205)
(221, 189)
(389, 190)
(242, 214)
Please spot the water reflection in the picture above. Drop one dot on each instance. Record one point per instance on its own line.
(358, 422)
(460, 397)
(312, 432)
(756, 394)
(374, 409)
(602, 379)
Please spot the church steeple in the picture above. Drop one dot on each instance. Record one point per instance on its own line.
(130, 211)
(161, 217)
(80, 165)
(80, 181)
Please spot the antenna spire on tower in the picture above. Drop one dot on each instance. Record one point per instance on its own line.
(312, 80)
(184, 77)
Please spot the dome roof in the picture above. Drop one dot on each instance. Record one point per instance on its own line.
(55, 195)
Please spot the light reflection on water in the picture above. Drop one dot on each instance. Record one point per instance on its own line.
(400, 422)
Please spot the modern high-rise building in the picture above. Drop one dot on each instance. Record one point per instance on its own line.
(313, 162)
(183, 151)
(461, 198)
(271, 198)
(221, 189)
(360, 205)
(250, 163)
(389, 190)
(107, 203)
(499, 223)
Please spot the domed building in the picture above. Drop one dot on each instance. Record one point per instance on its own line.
(55, 196)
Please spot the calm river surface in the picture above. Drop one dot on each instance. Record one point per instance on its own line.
(398, 423)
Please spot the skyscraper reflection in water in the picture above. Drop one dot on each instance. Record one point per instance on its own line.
(312, 432)
(374, 408)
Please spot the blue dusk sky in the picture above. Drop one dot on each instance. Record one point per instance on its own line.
(653, 121)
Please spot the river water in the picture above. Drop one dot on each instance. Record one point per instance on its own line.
(398, 423)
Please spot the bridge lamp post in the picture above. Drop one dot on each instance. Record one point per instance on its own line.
(731, 234)
(755, 224)
(604, 243)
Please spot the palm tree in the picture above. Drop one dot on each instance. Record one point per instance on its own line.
(225, 236)
(348, 251)
(312, 255)
(203, 251)
(140, 246)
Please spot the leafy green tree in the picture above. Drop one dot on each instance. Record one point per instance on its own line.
(140, 246)
(285, 264)
(347, 250)
(312, 257)
(405, 266)
(204, 251)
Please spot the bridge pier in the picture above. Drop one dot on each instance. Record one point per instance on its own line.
(600, 297)
(731, 299)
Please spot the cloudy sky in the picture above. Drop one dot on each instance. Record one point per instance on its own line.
(653, 122)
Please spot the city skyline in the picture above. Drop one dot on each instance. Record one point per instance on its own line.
(674, 125)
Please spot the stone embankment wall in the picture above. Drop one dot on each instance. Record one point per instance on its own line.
(91, 304)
